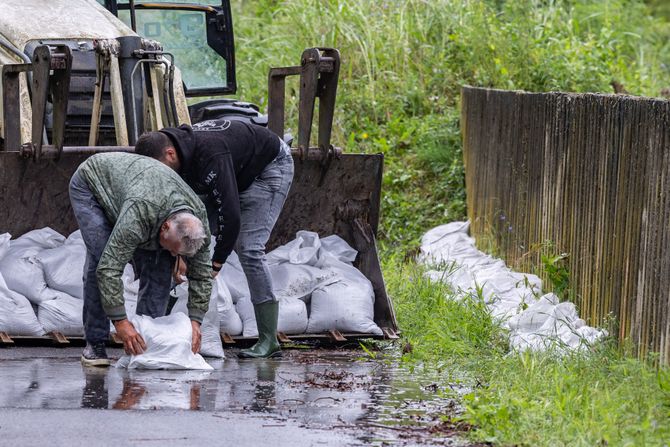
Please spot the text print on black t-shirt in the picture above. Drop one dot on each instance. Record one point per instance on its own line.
(211, 125)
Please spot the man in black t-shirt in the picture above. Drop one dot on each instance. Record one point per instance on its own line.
(245, 172)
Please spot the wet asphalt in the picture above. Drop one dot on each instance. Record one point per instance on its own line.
(312, 397)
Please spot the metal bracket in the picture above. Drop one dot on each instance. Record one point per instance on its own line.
(335, 335)
(227, 339)
(5, 339)
(319, 72)
(11, 104)
(59, 338)
(389, 333)
(283, 338)
(51, 75)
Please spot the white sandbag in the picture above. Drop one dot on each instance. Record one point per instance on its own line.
(345, 306)
(17, 316)
(229, 320)
(62, 314)
(304, 249)
(536, 324)
(296, 267)
(168, 341)
(245, 310)
(561, 328)
(292, 318)
(535, 315)
(211, 338)
(344, 293)
(4, 244)
(458, 277)
(234, 277)
(298, 281)
(339, 248)
(23, 274)
(64, 266)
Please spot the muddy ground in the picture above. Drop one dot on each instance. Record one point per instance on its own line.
(309, 397)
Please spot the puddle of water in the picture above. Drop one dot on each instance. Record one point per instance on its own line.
(317, 388)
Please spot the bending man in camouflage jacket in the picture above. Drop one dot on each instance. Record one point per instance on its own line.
(133, 208)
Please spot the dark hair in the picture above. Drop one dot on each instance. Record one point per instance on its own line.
(152, 144)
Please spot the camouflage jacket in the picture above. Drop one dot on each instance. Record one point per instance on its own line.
(138, 194)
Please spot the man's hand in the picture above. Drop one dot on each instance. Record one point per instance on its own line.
(195, 343)
(179, 271)
(216, 268)
(133, 343)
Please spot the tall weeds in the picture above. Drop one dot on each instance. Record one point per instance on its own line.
(404, 62)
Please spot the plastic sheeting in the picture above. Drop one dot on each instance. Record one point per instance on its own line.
(536, 321)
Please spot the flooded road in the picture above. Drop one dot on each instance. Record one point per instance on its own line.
(308, 397)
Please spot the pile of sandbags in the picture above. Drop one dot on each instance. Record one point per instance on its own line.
(536, 321)
(314, 280)
(316, 284)
(23, 288)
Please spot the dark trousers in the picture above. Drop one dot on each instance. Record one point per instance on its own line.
(154, 268)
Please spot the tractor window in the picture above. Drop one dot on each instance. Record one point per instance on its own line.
(199, 34)
(184, 34)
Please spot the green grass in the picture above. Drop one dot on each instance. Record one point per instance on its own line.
(599, 398)
(603, 397)
(403, 65)
(405, 61)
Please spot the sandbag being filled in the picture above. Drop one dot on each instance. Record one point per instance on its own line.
(168, 340)
(211, 338)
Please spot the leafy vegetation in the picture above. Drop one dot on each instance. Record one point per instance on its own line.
(405, 61)
(403, 65)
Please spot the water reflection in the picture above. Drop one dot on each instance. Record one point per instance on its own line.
(316, 388)
(95, 393)
(264, 389)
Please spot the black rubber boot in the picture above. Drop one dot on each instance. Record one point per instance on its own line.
(267, 344)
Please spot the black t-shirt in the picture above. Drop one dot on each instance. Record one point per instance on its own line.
(221, 158)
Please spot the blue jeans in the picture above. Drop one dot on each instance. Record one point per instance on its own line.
(260, 205)
(154, 268)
